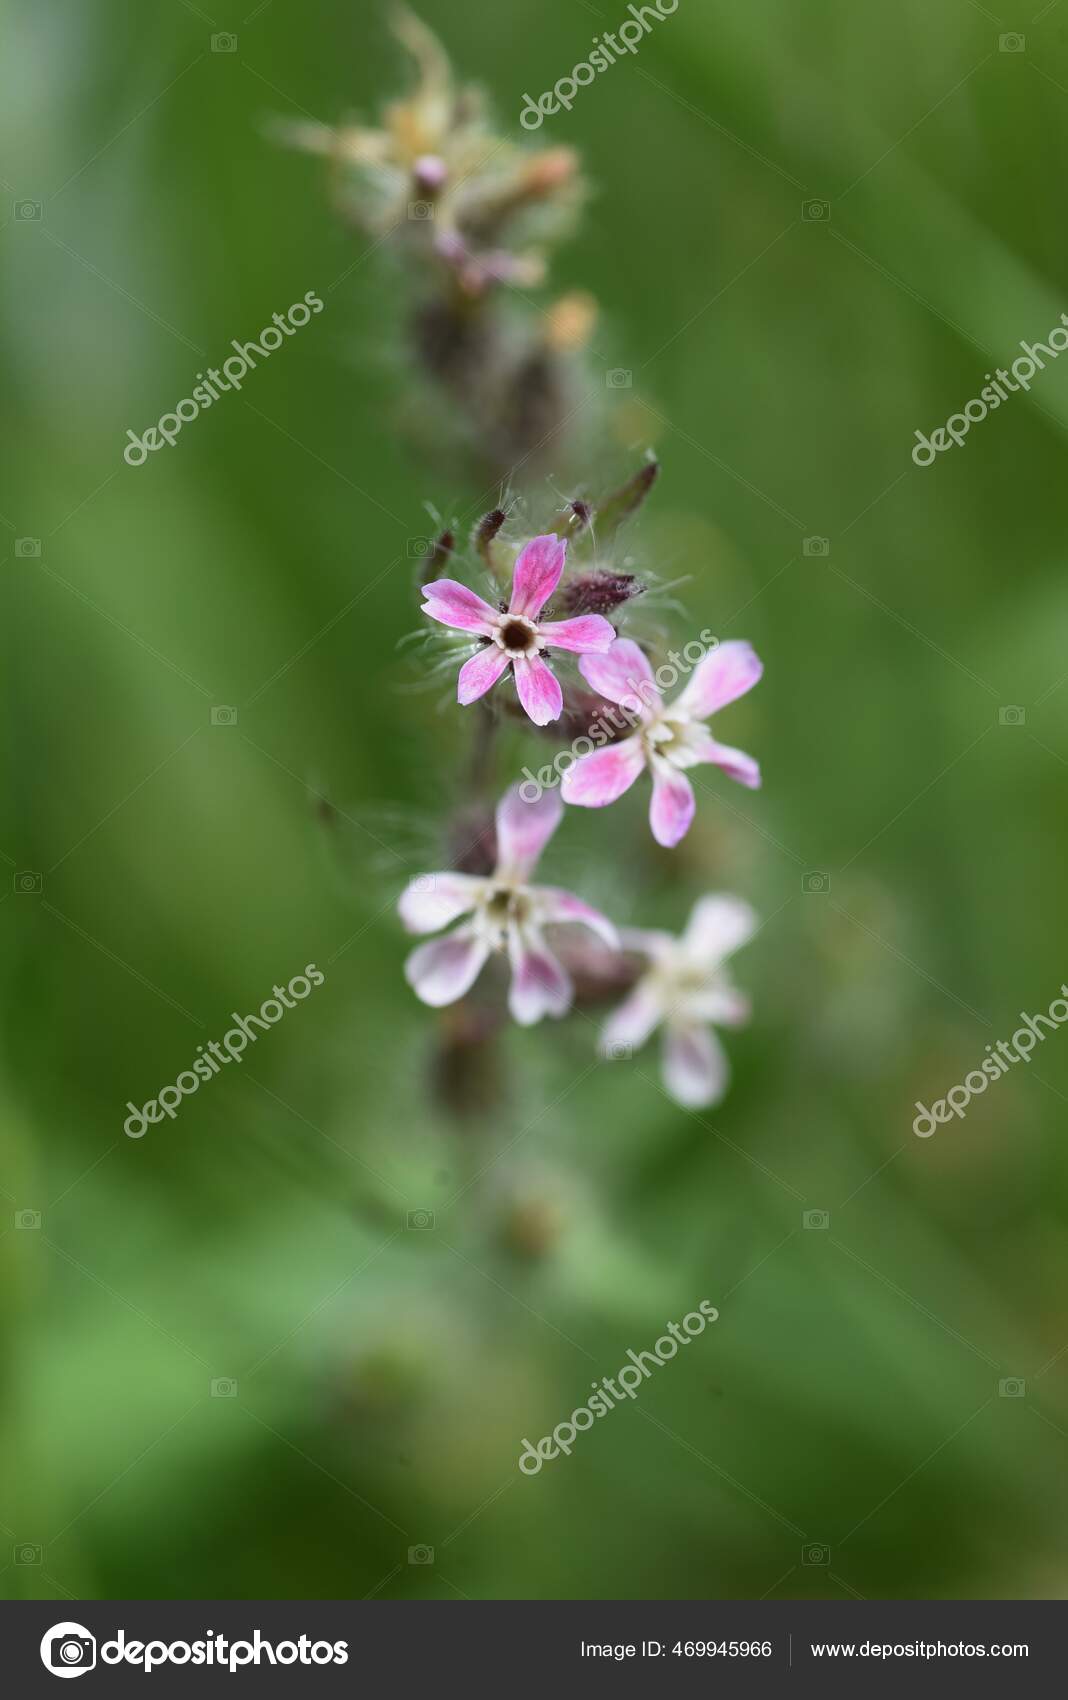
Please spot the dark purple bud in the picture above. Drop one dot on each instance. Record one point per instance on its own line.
(486, 530)
(438, 558)
(599, 592)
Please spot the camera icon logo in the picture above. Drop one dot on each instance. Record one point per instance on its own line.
(816, 212)
(1012, 715)
(419, 548)
(1012, 43)
(421, 1555)
(420, 209)
(224, 42)
(815, 1553)
(816, 883)
(27, 1221)
(618, 1051)
(817, 548)
(1012, 1387)
(27, 548)
(68, 1649)
(224, 1387)
(27, 882)
(420, 1219)
(815, 1218)
(27, 212)
(619, 379)
(27, 1555)
(223, 714)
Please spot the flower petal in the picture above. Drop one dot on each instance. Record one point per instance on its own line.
(718, 926)
(629, 1026)
(453, 604)
(673, 805)
(480, 674)
(694, 1065)
(433, 900)
(733, 762)
(601, 777)
(557, 908)
(731, 670)
(537, 574)
(538, 688)
(540, 984)
(442, 970)
(590, 633)
(622, 675)
(523, 831)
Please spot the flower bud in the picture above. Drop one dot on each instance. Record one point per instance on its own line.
(599, 592)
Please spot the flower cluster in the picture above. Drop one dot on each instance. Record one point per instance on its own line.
(677, 985)
(546, 642)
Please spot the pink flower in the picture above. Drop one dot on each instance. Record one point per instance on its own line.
(517, 637)
(507, 915)
(684, 990)
(668, 736)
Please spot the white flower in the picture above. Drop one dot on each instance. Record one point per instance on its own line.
(507, 915)
(686, 989)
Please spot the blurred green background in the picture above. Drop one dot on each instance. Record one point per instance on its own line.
(848, 1398)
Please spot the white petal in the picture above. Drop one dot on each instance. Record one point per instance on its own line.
(628, 1027)
(694, 1065)
(540, 984)
(433, 900)
(560, 907)
(524, 829)
(718, 926)
(442, 970)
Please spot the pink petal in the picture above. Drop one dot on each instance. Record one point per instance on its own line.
(433, 900)
(442, 970)
(540, 984)
(558, 907)
(538, 688)
(480, 674)
(694, 1065)
(622, 675)
(672, 807)
(601, 777)
(733, 762)
(718, 926)
(635, 1019)
(590, 632)
(523, 831)
(731, 670)
(537, 574)
(454, 605)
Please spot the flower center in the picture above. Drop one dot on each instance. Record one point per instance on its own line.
(517, 635)
(503, 905)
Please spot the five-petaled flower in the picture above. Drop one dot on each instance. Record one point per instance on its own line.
(667, 737)
(516, 636)
(506, 915)
(684, 990)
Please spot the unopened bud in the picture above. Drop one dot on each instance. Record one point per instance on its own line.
(429, 173)
(599, 592)
(438, 559)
